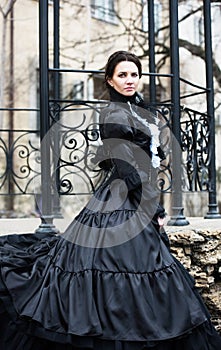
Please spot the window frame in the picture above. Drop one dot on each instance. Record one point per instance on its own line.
(198, 31)
(104, 10)
(157, 17)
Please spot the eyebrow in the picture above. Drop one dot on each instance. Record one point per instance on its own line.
(125, 71)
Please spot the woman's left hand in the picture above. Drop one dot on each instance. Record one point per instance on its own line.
(161, 221)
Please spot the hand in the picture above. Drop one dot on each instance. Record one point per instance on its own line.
(161, 221)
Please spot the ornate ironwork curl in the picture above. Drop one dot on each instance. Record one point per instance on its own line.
(4, 161)
(22, 162)
(77, 144)
(74, 146)
(196, 156)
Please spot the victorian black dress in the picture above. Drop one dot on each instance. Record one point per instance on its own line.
(109, 282)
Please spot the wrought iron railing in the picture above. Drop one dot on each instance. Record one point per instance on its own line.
(195, 130)
(20, 161)
(74, 137)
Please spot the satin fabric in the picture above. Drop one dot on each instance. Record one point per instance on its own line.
(110, 281)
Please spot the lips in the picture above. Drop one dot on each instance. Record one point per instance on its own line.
(129, 89)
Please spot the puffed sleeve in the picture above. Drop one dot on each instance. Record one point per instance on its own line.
(118, 135)
(116, 124)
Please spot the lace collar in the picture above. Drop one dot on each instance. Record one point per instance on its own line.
(137, 100)
(154, 134)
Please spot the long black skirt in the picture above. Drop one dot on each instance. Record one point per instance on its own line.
(109, 282)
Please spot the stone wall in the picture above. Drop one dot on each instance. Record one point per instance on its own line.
(200, 252)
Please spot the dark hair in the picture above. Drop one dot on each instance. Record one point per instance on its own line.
(118, 57)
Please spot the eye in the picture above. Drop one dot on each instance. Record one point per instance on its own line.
(122, 75)
(134, 75)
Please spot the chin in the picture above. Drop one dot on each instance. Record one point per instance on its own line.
(129, 93)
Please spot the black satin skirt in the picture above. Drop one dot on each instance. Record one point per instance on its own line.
(108, 283)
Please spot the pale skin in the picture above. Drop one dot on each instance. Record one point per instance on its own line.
(125, 80)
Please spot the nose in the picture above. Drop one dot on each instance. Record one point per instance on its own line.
(129, 79)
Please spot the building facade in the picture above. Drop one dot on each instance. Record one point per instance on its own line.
(89, 32)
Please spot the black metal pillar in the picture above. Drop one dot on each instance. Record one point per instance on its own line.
(56, 80)
(56, 47)
(10, 199)
(151, 36)
(213, 210)
(46, 225)
(177, 218)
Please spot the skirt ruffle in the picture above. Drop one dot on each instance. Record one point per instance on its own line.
(109, 282)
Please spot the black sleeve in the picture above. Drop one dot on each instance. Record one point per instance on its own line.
(118, 136)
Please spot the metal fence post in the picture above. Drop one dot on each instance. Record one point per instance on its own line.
(213, 211)
(177, 218)
(151, 37)
(56, 135)
(46, 210)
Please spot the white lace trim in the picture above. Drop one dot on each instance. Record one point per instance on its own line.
(155, 136)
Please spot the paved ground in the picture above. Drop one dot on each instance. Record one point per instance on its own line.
(197, 223)
(8, 226)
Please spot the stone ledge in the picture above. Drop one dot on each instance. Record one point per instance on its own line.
(199, 249)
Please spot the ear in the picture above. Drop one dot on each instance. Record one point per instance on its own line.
(110, 82)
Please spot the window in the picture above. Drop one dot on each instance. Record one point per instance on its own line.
(50, 91)
(104, 10)
(144, 16)
(99, 88)
(78, 90)
(218, 119)
(160, 93)
(198, 31)
(157, 15)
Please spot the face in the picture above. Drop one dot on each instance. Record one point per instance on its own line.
(125, 79)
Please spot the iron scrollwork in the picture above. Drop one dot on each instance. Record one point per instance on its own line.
(75, 138)
(164, 179)
(20, 161)
(196, 156)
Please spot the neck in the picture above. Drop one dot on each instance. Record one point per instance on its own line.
(115, 96)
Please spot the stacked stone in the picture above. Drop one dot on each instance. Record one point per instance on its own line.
(200, 253)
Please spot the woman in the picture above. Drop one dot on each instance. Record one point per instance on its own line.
(109, 282)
